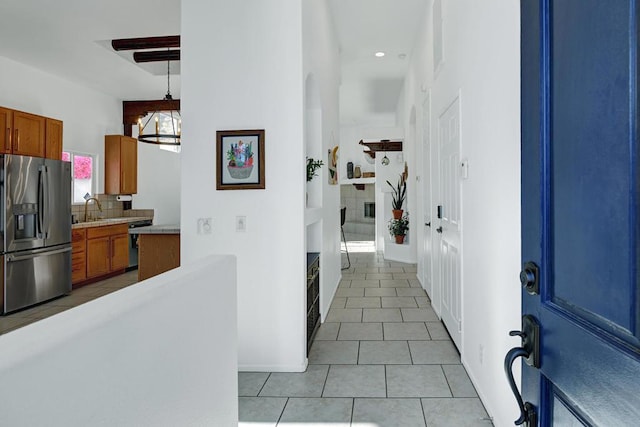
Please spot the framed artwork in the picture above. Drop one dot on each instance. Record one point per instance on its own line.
(240, 158)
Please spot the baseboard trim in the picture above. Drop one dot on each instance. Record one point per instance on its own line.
(274, 368)
(479, 391)
(324, 311)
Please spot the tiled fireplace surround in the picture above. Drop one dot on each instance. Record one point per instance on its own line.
(355, 200)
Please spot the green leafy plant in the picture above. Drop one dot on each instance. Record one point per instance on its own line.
(399, 193)
(312, 166)
(399, 227)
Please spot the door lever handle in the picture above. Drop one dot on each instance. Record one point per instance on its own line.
(530, 351)
(439, 229)
(527, 410)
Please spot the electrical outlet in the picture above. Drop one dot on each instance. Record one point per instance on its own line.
(205, 225)
(241, 223)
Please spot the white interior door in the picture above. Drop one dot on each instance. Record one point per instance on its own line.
(427, 269)
(449, 229)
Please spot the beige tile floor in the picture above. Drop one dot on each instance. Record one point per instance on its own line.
(79, 296)
(381, 358)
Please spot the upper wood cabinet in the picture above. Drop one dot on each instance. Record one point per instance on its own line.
(53, 144)
(121, 164)
(6, 127)
(29, 134)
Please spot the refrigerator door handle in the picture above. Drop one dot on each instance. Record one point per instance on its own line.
(40, 231)
(46, 215)
(34, 254)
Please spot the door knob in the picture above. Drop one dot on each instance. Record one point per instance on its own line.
(439, 229)
(530, 351)
(428, 224)
(529, 277)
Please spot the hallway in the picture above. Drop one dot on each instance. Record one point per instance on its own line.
(382, 358)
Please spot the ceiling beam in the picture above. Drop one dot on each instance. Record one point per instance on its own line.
(157, 56)
(146, 43)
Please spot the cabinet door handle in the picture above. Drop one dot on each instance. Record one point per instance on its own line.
(7, 143)
(16, 140)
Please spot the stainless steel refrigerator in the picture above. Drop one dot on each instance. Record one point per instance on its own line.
(36, 230)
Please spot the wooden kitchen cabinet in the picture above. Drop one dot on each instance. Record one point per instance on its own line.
(28, 134)
(78, 255)
(121, 164)
(120, 251)
(53, 140)
(98, 257)
(107, 249)
(6, 130)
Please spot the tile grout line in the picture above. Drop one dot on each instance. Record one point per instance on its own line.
(410, 354)
(263, 384)
(282, 412)
(447, 380)
(324, 385)
(424, 416)
(386, 384)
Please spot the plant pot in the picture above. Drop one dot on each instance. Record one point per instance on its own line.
(240, 172)
(399, 239)
(397, 213)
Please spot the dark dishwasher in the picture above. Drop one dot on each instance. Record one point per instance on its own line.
(133, 243)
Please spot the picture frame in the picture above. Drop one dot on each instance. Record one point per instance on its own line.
(240, 159)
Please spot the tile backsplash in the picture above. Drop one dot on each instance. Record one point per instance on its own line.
(111, 208)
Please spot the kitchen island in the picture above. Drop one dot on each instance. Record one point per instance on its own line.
(158, 249)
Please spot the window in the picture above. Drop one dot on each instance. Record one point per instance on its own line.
(82, 177)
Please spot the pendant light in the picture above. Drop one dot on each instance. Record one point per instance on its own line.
(385, 159)
(162, 127)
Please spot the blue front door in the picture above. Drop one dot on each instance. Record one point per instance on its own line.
(580, 209)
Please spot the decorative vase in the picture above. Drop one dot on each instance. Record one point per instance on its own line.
(400, 239)
(397, 213)
(357, 172)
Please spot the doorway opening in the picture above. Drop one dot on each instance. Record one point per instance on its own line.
(360, 222)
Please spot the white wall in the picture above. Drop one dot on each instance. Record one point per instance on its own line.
(88, 115)
(241, 68)
(481, 62)
(321, 61)
(159, 183)
(159, 353)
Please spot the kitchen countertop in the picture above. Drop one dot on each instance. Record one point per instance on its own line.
(110, 221)
(157, 229)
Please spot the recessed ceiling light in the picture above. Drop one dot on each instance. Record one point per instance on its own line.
(402, 56)
(379, 54)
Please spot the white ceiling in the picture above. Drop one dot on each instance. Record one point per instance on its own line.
(371, 86)
(71, 39)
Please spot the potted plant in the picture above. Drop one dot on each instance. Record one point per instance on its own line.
(312, 166)
(399, 194)
(398, 228)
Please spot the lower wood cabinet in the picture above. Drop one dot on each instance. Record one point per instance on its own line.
(78, 255)
(107, 249)
(98, 251)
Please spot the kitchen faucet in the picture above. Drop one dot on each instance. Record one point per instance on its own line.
(86, 205)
